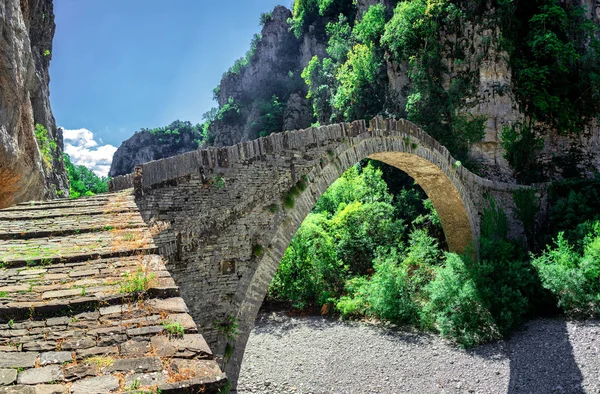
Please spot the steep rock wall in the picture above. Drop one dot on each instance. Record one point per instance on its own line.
(26, 31)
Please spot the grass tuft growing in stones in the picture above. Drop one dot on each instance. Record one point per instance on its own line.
(138, 282)
(258, 250)
(288, 201)
(100, 361)
(174, 328)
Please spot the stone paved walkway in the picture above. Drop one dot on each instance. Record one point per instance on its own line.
(87, 306)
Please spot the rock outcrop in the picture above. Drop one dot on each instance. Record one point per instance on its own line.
(274, 69)
(26, 33)
(146, 146)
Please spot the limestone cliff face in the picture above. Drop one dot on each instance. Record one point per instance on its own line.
(144, 146)
(26, 33)
(273, 70)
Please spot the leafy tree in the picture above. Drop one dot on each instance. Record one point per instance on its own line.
(84, 182)
(360, 81)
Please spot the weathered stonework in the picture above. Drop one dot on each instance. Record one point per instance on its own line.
(213, 208)
(87, 306)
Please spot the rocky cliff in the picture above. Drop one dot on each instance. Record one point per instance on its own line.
(147, 145)
(273, 69)
(473, 53)
(30, 168)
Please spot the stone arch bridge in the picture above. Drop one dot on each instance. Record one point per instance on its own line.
(223, 225)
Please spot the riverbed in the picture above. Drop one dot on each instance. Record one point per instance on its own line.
(314, 354)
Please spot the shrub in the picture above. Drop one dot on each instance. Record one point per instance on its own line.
(265, 17)
(574, 277)
(46, 144)
(309, 271)
(455, 306)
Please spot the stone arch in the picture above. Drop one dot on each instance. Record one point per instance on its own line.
(434, 170)
(217, 202)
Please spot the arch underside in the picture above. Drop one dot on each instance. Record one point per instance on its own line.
(442, 193)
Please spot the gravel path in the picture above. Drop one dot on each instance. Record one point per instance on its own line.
(318, 355)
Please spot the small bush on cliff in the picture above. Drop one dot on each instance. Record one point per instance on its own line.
(46, 144)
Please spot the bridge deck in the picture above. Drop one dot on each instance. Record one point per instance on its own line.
(87, 306)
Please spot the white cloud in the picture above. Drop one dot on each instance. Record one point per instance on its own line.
(83, 150)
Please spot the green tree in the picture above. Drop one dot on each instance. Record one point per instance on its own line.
(84, 182)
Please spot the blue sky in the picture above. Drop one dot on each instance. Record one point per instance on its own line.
(120, 65)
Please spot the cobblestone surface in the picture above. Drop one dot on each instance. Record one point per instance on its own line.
(92, 309)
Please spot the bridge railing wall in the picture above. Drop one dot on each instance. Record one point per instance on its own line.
(120, 183)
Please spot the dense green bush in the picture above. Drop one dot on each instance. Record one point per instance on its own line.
(574, 276)
(456, 308)
(351, 222)
(177, 133)
(572, 202)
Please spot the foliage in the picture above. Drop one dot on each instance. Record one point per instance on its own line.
(271, 118)
(228, 327)
(573, 276)
(456, 307)
(556, 54)
(178, 133)
(174, 328)
(413, 37)
(351, 226)
(243, 62)
(84, 182)
(372, 25)
(527, 207)
(307, 12)
(521, 147)
(572, 202)
(265, 17)
(138, 282)
(360, 81)
(46, 144)
(229, 112)
(310, 270)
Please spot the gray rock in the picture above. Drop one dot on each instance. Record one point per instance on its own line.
(7, 376)
(40, 375)
(135, 348)
(78, 343)
(142, 364)
(96, 385)
(18, 359)
(55, 358)
(17, 390)
(50, 389)
(25, 101)
(145, 379)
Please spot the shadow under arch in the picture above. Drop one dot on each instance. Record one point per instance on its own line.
(431, 169)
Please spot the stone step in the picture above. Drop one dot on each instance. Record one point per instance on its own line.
(77, 247)
(148, 345)
(53, 288)
(66, 212)
(46, 227)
